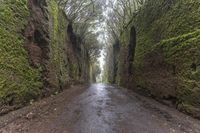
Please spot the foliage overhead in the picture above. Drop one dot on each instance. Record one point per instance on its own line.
(85, 15)
(120, 15)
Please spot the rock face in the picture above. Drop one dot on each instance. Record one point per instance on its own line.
(165, 62)
(37, 36)
(39, 53)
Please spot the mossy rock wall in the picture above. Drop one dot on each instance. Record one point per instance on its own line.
(167, 53)
(67, 65)
(37, 57)
(58, 64)
(19, 82)
(166, 61)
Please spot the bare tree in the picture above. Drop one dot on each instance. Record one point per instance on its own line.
(120, 15)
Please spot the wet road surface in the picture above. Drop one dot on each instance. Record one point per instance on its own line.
(99, 108)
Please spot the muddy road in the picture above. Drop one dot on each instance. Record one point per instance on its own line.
(98, 108)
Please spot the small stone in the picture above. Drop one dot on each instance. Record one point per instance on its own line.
(172, 130)
(30, 115)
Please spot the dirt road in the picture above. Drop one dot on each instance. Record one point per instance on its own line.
(99, 108)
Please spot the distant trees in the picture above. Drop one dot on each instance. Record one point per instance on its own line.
(96, 71)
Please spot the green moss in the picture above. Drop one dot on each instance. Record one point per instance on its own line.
(183, 52)
(58, 38)
(161, 20)
(173, 29)
(19, 82)
(190, 110)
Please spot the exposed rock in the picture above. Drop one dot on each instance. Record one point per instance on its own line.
(30, 116)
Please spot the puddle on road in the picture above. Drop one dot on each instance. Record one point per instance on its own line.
(99, 89)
